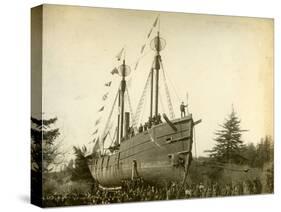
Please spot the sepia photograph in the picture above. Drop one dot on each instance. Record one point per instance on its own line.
(138, 105)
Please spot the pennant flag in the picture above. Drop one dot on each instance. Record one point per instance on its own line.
(108, 84)
(101, 109)
(97, 122)
(137, 63)
(149, 33)
(155, 22)
(142, 48)
(95, 132)
(114, 71)
(105, 96)
(119, 55)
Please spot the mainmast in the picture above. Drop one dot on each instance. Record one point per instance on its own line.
(157, 44)
(157, 68)
(122, 90)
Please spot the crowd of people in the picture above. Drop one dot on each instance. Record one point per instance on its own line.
(138, 190)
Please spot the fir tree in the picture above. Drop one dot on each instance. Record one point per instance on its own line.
(81, 170)
(229, 145)
(43, 137)
(42, 144)
(265, 150)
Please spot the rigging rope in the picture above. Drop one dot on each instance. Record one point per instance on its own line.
(195, 144)
(171, 84)
(129, 102)
(108, 120)
(141, 101)
(170, 105)
(161, 101)
(112, 138)
(142, 111)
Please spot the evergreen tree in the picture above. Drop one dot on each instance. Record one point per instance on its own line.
(229, 145)
(43, 145)
(265, 151)
(81, 170)
(44, 152)
(250, 153)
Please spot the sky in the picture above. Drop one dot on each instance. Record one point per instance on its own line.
(220, 61)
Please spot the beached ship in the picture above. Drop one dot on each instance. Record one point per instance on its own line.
(158, 151)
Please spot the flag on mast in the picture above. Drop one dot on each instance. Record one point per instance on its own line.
(108, 84)
(101, 109)
(105, 96)
(155, 22)
(95, 132)
(149, 33)
(114, 71)
(137, 63)
(97, 122)
(142, 48)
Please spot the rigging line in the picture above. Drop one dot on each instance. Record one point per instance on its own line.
(171, 82)
(170, 105)
(161, 102)
(144, 105)
(139, 107)
(108, 131)
(174, 88)
(195, 144)
(115, 133)
(129, 102)
(110, 138)
(109, 117)
(130, 108)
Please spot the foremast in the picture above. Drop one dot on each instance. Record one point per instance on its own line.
(122, 128)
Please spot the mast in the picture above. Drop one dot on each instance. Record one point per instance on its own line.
(124, 71)
(118, 119)
(157, 44)
(157, 68)
(151, 93)
(123, 88)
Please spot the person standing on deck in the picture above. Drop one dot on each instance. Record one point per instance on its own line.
(182, 109)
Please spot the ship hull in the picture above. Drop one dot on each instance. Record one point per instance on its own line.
(157, 155)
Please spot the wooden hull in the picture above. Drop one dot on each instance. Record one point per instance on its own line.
(157, 155)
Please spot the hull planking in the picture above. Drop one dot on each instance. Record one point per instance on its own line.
(157, 155)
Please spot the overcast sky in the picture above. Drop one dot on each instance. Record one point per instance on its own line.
(218, 60)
